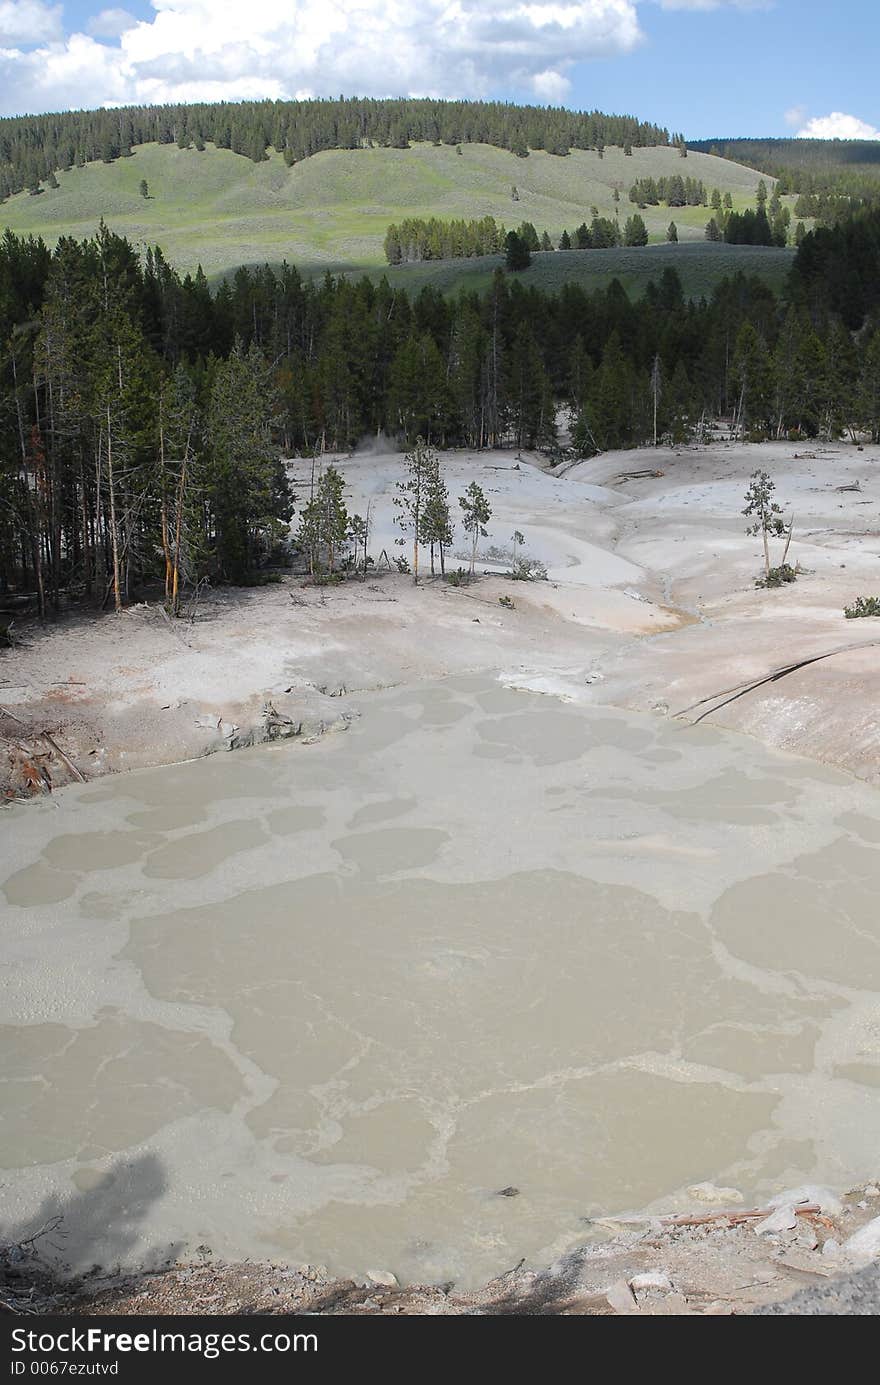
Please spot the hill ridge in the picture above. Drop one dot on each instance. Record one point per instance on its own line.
(35, 147)
(331, 212)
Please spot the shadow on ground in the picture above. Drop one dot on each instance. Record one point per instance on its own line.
(68, 1238)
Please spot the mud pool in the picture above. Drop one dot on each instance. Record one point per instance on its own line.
(323, 1003)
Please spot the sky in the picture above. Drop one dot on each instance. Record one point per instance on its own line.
(703, 67)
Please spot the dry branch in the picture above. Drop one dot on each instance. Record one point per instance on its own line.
(740, 689)
(64, 758)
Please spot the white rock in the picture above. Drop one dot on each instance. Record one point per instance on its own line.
(620, 1297)
(828, 1202)
(831, 1248)
(383, 1277)
(806, 1236)
(708, 1192)
(783, 1219)
(650, 1280)
(863, 1245)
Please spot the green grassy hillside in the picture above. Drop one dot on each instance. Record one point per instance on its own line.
(331, 211)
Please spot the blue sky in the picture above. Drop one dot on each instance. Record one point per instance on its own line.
(707, 67)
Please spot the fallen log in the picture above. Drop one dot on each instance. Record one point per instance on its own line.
(741, 689)
(637, 475)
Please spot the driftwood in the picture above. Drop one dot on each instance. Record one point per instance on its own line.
(738, 1216)
(637, 475)
(65, 759)
(740, 689)
(856, 486)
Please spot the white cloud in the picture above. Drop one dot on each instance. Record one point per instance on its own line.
(551, 88)
(706, 5)
(838, 126)
(111, 23)
(28, 21)
(795, 115)
(210, 49)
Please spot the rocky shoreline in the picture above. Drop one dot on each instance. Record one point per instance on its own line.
(807, 1251)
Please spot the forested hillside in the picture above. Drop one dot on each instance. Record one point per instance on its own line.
(142, 416)
(837, 270)
(332, 211)
(33, 148)
(831, 175)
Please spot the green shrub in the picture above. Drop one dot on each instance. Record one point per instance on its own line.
(457, 578)
(507, 603)
(528, 570)
(863, 606)
(778, 576)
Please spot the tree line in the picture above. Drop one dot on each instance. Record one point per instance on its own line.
(33, 148)
(417, 239)
(144, 415)
(768, 223)
(674, 191)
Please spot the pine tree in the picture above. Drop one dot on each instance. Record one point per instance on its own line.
(767, 514)
(437, 528)
(656, 391)
(672, 233)
(476, 513)
(517, 255)
(752, 374)
(417, 388)
(414, 492)
(635, 231)
(868, 389)
(248, 489)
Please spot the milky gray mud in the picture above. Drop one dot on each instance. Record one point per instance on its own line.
(322, 1003)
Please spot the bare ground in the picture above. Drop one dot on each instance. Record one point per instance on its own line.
(720, 1267)
(650, 605)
